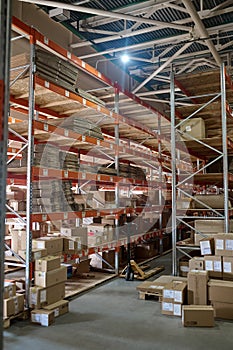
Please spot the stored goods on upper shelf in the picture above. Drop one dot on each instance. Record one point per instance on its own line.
(195, 127)
(215, 201)
(125, 170)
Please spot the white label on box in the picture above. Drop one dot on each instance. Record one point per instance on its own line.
(56, 312)
(227, 267)
(35, 318)
(217, 266)
(209, 265)
(71, 245)
(178, 296)
(206, 251)
(43, 296)
(33, 298)
(219, 244)
(188, 128)
(229, 244)
(40, 245)
(37, 255)
(167, 306)
(205, 247)
(177, 310)
(168, 293)
(44, 320)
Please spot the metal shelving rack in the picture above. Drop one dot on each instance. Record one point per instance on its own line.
(181, 181)
(5, 24)
(116, 149)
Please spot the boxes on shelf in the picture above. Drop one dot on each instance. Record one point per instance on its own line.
(71, 246)
(43, 317)
(224, 244)
(17, 205)
(194, 127)
(9, 290)
(227, 267)
(13, 306)
(47, 279)
(54, 245)
(197, 287)
(47, 263)
(73, 231)
(197, 263)
(36, 253)
(213, 264)
(99, 233)
(18, 240)
(59, 308)
(207, 246)
(184, 266)
(198, 316)
(40, 297)
(83, 266)
(146, 250)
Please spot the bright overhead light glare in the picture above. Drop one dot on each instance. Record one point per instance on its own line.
(125, 58)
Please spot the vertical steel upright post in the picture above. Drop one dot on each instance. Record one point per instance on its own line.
(173, 156)
(224, 148)
(116, 105)
(28, 272)
(5, 30)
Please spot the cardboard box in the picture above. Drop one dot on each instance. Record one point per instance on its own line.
(47, 263)
(13, 306)
(197, 263)
(36, 253)
(211, 226)
(194, 127)
(197, 287)
(175, 291)
(40, 297)
(207, 246)
(198, 316)
(183, 266)
(198, 237)
(54, 245)
(18, 240)
(43, 317)
(47, 279)
(73, 231)
(221, 291)
(158, 285)
(9, 290)
(223, 310)
(171, 309)
(224, 244)
(82, 267)
(213, 264)
(59, 308)
(71, 246)
(227, 267)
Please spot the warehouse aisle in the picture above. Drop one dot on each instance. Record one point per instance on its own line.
(112, 317)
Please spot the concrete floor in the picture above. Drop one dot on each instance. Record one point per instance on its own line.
(112, 317)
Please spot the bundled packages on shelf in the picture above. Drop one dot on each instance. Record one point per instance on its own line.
(69, 161)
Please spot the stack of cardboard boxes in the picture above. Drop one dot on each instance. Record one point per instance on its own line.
(13, 303)
(46, 296)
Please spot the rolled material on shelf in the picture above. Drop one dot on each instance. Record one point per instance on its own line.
(125, 170)
(215, 201)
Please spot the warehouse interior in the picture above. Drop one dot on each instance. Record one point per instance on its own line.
(116, 174)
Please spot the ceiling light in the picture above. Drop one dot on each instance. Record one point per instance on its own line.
(125, 58)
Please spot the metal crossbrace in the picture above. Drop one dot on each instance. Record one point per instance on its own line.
(16, 154)
(19, 75)
(16, 255)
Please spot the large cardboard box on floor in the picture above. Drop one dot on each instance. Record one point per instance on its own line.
(223, 310)
(213, 264)
(59, 308)
(54, 245)
(227, 262)
(198, 316)
(47, 263)
(43, 317)
(171, 308)
(197, 287)
(47, 279)
(175, 291)
(40, 297)
(197, 263)
(224, 244)
(221, 291)
(13, 305)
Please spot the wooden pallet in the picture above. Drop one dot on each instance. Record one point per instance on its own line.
(149, 295)
(139, 273)
(24, 315)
